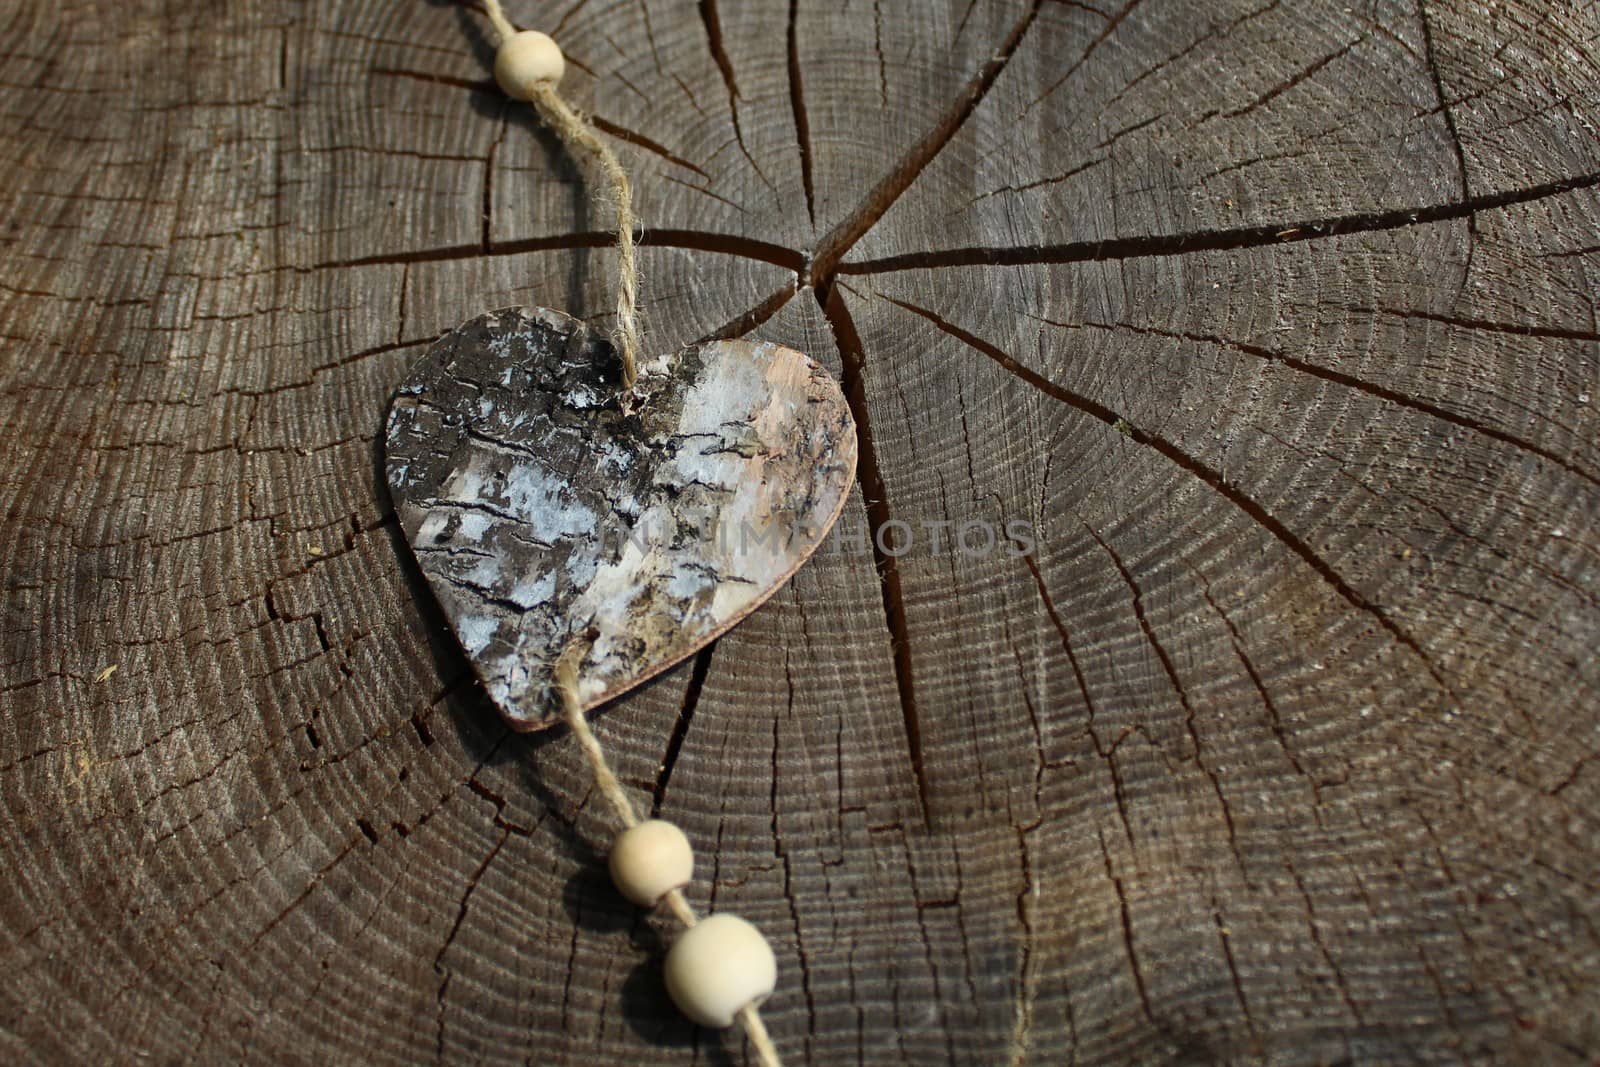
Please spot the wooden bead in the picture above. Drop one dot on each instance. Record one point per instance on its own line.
(649, 860)
(718, 967)
(528, 59)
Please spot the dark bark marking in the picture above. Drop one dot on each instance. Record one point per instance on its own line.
(690, 240)
(1107, 754)
(1274, 718)
(568, 17)
(704, 191)
(488, 183)
(461, 915)
(1177, 685)
(1105, 33)
(797, 105)
(877, 48)
(719, 55)
(1361, 385)
(1131, 128)
(1212, 33)
(488, 88)
(832, 248)
(1219, 240)
(1322, 946)
(1587, 250)
(1225, 937)
(1572, 775)
(639, 140)
(680, 728)
(1521, 329)
(873, 489)
(1061, 628)
(1283, 87)
(1027, 976)
(1026, 186)
(310, 887)
(789, 897)
(1430, 58)
(750, 320)
(966, 16)
(1127, 932)
(404, 287)
(650, 36)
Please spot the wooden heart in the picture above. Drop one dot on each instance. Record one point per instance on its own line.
(541, 513)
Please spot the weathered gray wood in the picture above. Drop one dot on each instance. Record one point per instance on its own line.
(1275, 323)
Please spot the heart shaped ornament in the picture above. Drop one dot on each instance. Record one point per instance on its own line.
(542, 513)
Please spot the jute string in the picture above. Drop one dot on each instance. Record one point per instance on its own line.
(605, 779)
(580, 135)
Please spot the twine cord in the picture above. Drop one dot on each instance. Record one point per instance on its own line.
(578, 132)
(580, 135)
(572, 710)
(497, 17)
(566, 684)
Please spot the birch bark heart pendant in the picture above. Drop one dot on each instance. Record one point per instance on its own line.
(541, 513)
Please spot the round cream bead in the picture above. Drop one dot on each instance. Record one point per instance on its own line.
(718, 967)
(528, 58)
(649, 860)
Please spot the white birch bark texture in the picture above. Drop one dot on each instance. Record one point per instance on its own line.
(543, 514)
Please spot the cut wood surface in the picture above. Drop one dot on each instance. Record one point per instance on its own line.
(1262, 335)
